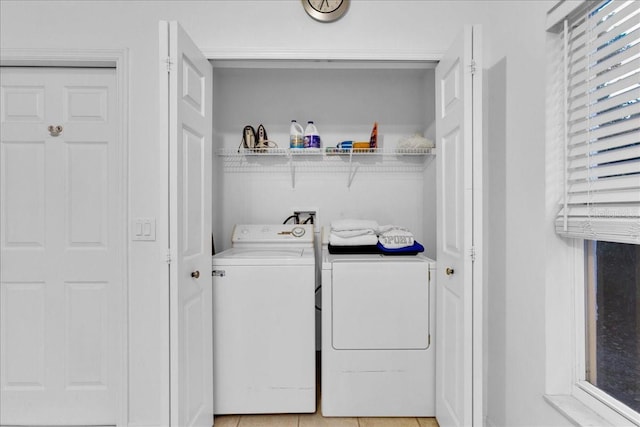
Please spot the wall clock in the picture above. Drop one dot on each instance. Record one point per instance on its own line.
(326, 10)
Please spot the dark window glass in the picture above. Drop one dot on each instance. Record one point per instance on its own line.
(613, 320)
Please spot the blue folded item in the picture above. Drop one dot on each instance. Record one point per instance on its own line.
(409, 250)
(353, 250)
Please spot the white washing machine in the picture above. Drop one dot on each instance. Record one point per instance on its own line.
(264, 321)
(378, 347)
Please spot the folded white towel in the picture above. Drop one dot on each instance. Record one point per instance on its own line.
(415, 141)
(362, 240)
(353, 233)
(388, 227)
(354, 224)
(396, 237)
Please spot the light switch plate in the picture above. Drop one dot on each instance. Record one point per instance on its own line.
(143, 229)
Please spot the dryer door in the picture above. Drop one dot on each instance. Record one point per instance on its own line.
(380, 305)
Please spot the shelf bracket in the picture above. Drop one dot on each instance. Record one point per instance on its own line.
(352, 170)
(292, 167)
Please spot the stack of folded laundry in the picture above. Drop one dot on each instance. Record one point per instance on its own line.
(354, 236)
(395, 240)
(353, 233)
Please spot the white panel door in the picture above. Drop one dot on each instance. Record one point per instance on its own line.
(190, 121)
(62, 248)
(458, 118)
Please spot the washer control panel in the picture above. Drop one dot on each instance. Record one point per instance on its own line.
(272, 233)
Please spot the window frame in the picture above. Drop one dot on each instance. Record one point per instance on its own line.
(582, 389)
(566, 387)
(574, 397)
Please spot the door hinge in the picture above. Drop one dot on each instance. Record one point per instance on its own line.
(472, 67)
(168, 62)
(429, 341)
(472, 253)
(429, 275)
(218, 273)
(168, 257)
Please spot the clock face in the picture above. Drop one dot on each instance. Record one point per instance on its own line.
(325, 6)
(325, 10)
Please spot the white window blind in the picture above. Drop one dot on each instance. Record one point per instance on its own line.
(602, 119)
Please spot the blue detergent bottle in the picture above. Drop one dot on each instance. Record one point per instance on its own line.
(311, 136)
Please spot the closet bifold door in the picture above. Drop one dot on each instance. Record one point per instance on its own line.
(459, 225)
(186, 126)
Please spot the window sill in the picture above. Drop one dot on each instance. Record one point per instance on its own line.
(582, 415)
(575, 411)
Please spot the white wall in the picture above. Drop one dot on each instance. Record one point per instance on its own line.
(515, 191)
(514, 58)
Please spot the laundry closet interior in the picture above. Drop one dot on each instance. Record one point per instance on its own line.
(392, 184)
(344, 99)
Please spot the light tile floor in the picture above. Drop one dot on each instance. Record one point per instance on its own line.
(317, 420)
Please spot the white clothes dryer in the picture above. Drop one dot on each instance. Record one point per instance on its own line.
(378, 347)
(264, 321)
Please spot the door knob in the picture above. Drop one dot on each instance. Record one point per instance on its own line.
(449, 271)
(195, 274)
(55, 130)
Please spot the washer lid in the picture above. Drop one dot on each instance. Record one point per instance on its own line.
(265, 256)
(291, 235)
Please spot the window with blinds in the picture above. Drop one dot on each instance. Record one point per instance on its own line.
(602, 133)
